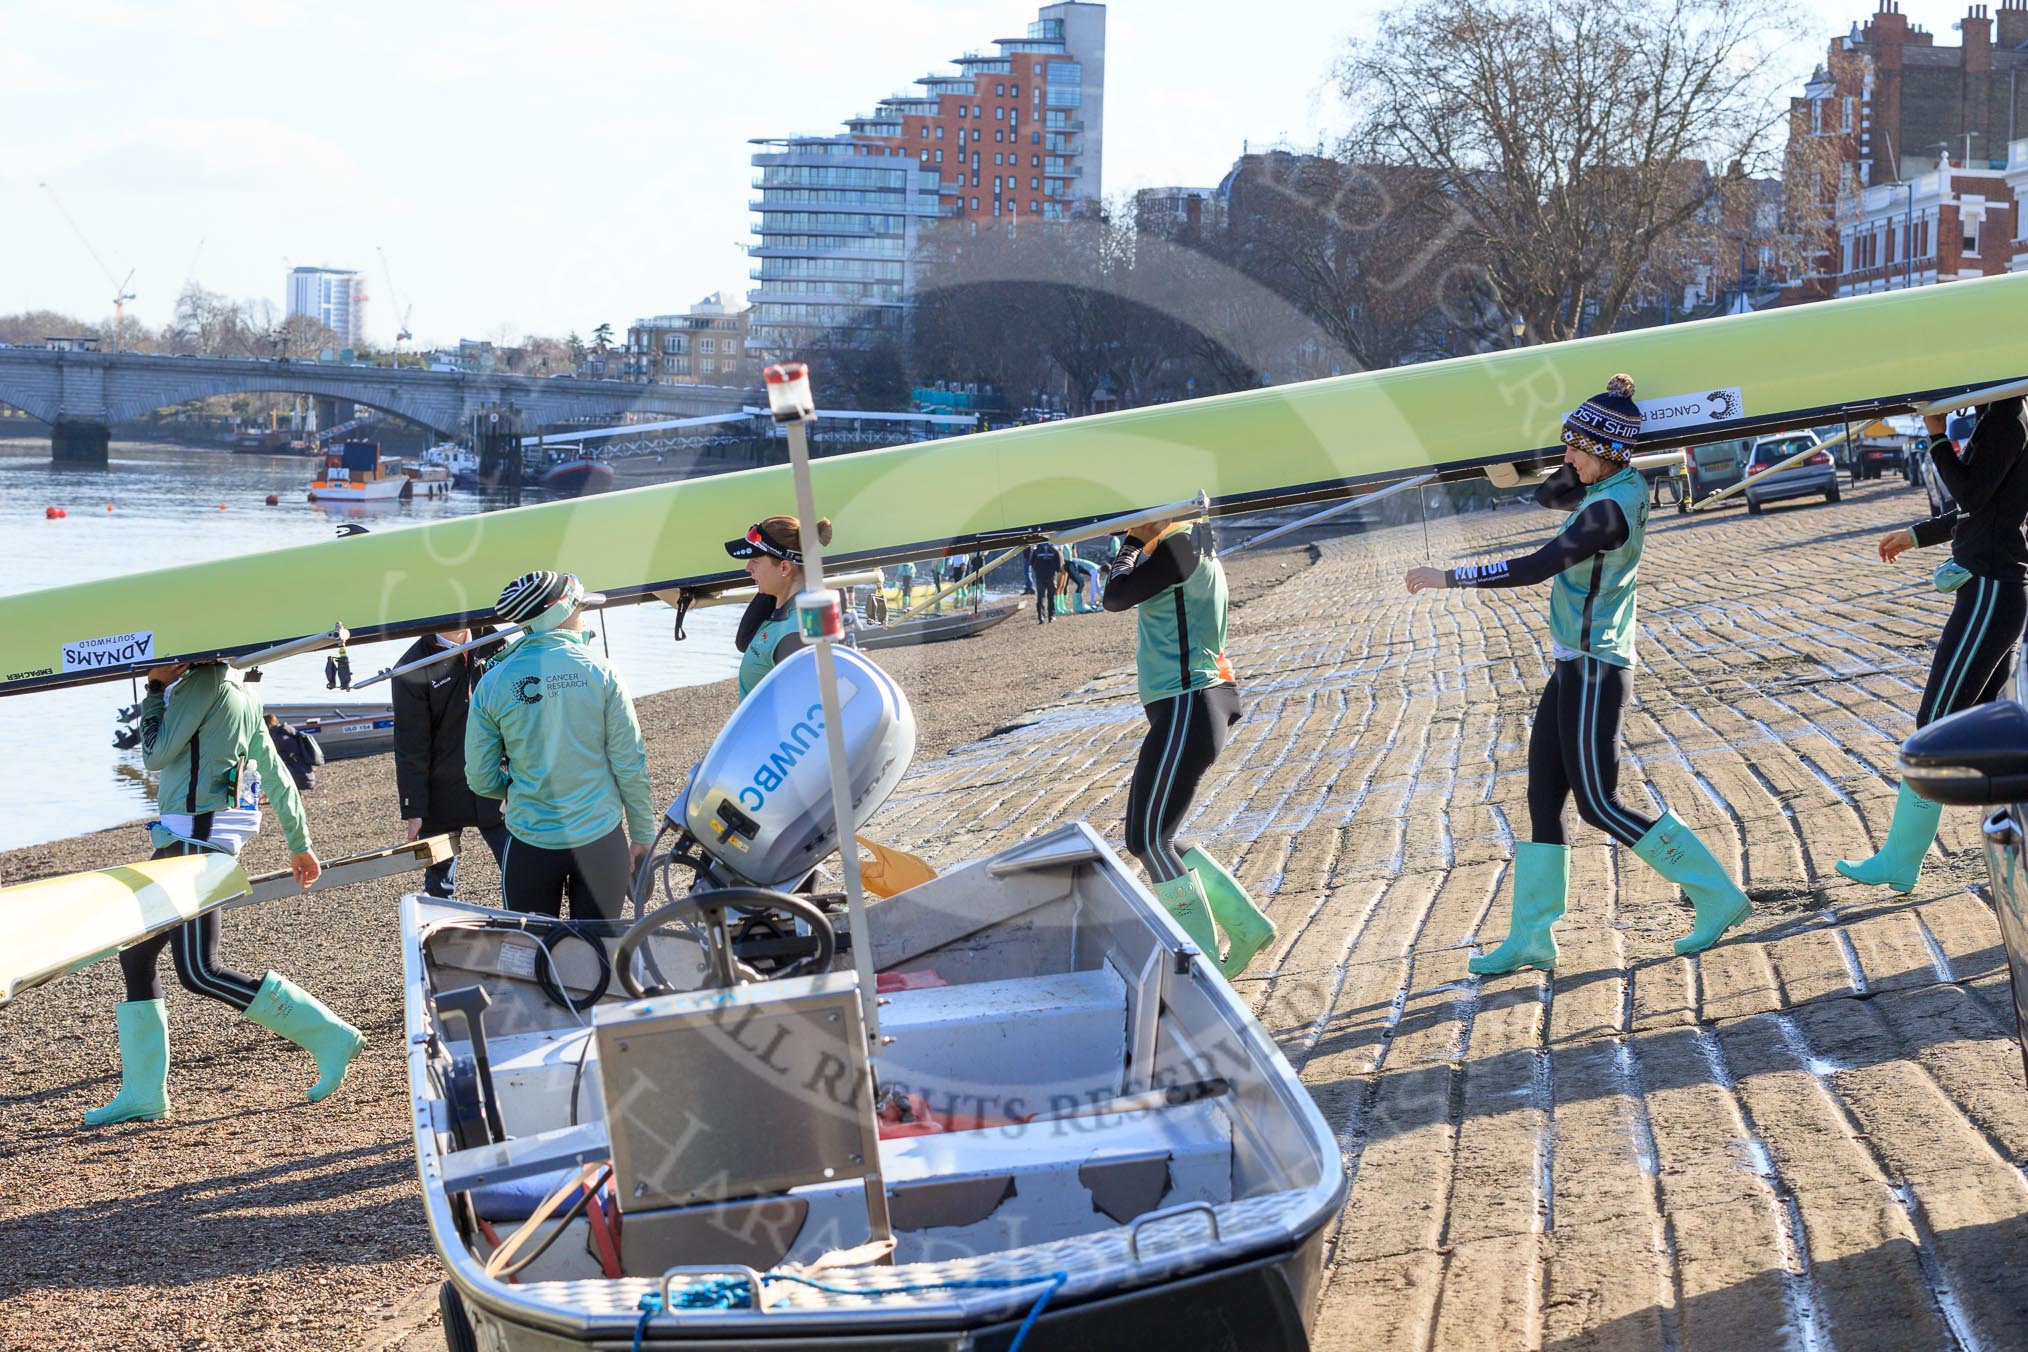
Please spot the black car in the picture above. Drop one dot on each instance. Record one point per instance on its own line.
(1874, 451)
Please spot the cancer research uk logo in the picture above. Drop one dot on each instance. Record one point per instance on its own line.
(1691, 410)
(114, 650)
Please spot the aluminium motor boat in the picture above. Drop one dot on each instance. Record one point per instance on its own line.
(688, 1131)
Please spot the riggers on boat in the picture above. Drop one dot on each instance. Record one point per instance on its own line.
(690, 1131)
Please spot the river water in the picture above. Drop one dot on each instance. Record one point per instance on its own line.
(63, 776)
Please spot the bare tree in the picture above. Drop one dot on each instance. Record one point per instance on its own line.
(32, 326)
(1563, 128)
(1373, 254)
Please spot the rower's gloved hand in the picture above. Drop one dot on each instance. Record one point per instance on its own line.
(1561, 489)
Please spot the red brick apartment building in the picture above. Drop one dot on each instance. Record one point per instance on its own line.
(1920, 148)
(1012, 135)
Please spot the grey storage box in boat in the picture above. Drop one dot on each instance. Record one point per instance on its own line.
(760, 802)
(1040, 1044)
(691, 1080)
(967, 1192)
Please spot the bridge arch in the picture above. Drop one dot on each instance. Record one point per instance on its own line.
(441, 415)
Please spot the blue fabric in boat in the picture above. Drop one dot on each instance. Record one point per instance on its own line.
(517, 1199)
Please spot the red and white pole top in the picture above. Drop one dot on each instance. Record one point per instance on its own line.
(789, 397)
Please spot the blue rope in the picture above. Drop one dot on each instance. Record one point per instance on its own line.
(727, 1294)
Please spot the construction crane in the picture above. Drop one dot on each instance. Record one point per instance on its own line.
(120, 293)
(401, 333)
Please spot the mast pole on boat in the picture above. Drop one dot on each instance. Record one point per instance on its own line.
(821, 624)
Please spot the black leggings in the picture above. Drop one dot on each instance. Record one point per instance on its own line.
(1185, 734)
(597, 876)
(1045, 596)
(1975, 655)
(1574, 748)
(193, 946)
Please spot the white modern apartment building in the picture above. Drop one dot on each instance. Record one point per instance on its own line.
(334, 297)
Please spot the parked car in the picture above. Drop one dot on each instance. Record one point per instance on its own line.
(1814, 476)
(1876, 448)
(1841, 450)
(1979, 758)
(1720, 464)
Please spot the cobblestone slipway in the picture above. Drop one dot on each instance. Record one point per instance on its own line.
(1811, 1137)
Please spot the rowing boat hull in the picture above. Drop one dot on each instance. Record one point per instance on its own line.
(58, 925)
(932, 628)
(1292, 443)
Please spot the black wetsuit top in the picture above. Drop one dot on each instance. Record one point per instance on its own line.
(1130, 582)
(758, 612)
(1989, 479)
(1593, 531)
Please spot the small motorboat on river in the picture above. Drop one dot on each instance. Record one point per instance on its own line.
(576, 476)
(356, 471)
(342, 730)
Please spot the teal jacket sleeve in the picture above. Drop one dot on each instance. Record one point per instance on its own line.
(484, 774)
(166, 732)
(280, 787)
(628, 757)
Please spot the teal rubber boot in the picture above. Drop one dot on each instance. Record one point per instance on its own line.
(144, 1065)
(1247, 931)
(1674, 851)
(1541, 883)
(1184, 898)
(287, 1010)
(1908, 837)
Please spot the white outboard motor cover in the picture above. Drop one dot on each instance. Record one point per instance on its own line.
(760, 803)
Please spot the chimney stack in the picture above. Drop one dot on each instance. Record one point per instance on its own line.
(2013, 24)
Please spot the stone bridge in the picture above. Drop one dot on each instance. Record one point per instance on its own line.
(81, 394)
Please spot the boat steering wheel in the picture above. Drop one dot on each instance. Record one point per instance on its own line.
(709, 907)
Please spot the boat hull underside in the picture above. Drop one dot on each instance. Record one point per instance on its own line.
(1262, 1305)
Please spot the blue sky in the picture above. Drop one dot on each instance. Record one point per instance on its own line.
(533, 170)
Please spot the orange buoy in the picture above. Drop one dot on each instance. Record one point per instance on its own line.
(221, 506)
(53, 513)
(109, 506)
(274, 500)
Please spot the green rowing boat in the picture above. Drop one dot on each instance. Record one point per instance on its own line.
(1323, 439)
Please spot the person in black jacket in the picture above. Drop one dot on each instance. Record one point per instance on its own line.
(1045, 560)
(1987, 578)
(430, 708)
(299, 752)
